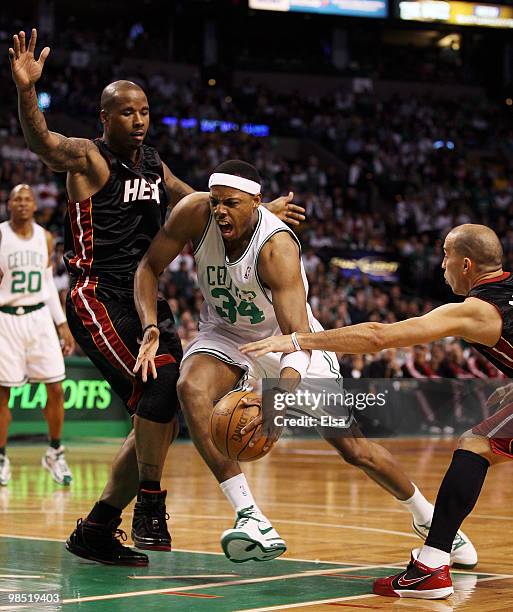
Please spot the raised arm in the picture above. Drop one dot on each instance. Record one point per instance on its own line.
(186, 222)
(59, 153)
(474, 320)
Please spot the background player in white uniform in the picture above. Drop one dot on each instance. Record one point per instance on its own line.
(29, 346)
(252, 278)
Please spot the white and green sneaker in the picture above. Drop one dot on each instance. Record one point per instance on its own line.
(54, 461)
(252, 538)
(5, 470)
(463, 553)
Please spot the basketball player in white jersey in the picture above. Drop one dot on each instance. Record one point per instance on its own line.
(29, 346)
(251, 276)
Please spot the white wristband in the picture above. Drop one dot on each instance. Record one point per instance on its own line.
(299, 361)
(295, 341)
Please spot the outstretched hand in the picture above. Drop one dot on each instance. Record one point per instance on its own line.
(26, 70)
(272, 344)
(285, 209)
(147, 352)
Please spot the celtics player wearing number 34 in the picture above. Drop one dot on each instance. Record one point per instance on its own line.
(29, 346)
(251, 276)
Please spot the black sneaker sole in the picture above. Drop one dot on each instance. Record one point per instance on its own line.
(145, 546)
(83, 554)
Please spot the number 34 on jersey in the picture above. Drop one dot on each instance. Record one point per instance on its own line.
(232, 302)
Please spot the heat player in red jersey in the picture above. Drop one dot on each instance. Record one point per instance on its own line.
(118, 193)
(472, 267)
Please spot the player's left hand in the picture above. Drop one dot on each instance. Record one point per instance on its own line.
(273, 344)
(68, 343)
(285, 209)
(147, 352)
(264, 423)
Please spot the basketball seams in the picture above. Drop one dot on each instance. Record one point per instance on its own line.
(229, 424)
(225, 430)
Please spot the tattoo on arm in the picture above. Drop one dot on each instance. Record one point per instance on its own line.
(58, 152)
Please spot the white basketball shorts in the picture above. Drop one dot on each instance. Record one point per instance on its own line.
(29, 349)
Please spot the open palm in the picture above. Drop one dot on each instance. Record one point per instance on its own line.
(26, 70)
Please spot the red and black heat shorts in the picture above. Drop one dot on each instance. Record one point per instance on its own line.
(105, 324)
(499, 430)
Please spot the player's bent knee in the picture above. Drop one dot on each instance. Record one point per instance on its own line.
(190, 389)
(5, 393)
(475, 444)
(159, 402)
(55, 392)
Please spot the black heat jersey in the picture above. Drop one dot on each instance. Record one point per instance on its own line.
(499, 292)
(107, 235)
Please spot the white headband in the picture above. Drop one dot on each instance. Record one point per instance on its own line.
(237, 182)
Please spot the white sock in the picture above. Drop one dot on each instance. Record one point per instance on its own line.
(419, 506)
(433, 557)
(238, 493)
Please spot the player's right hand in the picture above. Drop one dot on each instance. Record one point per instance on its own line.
(26, 70)
(501, 395)
(147, 352)
(264, 423)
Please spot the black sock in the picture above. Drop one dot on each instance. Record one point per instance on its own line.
(456, 497)
(2, 450)
(149, 485)
(55, 443)
(103, 513)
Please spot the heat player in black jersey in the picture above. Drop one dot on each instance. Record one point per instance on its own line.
(472, 267)
(118, 192)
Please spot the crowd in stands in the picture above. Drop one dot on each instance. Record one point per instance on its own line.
(400, 173)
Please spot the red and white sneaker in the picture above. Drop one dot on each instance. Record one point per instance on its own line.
(417, 581)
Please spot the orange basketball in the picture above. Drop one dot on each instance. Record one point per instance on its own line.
(229, 417)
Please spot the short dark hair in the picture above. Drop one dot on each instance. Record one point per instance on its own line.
(240, 168)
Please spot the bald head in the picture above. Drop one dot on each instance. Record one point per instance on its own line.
(116, 91)
(479, 243)
(15, 190)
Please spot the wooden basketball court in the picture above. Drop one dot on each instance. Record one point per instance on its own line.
(342, 532)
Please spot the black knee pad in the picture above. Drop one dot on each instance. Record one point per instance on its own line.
(159, 400)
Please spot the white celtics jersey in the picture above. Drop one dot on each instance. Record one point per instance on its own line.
(23, 263)
(235, 299)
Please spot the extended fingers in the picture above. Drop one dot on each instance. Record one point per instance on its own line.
(252, 347)
(257, 435)
(43, 55)
(23, 47)
(32, 41)
(251, 425)
(16, 45)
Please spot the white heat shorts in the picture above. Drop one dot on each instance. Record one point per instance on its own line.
(29, 349)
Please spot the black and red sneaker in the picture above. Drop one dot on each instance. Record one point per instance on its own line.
(149, 524)
(418, 581)
(102, 543)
